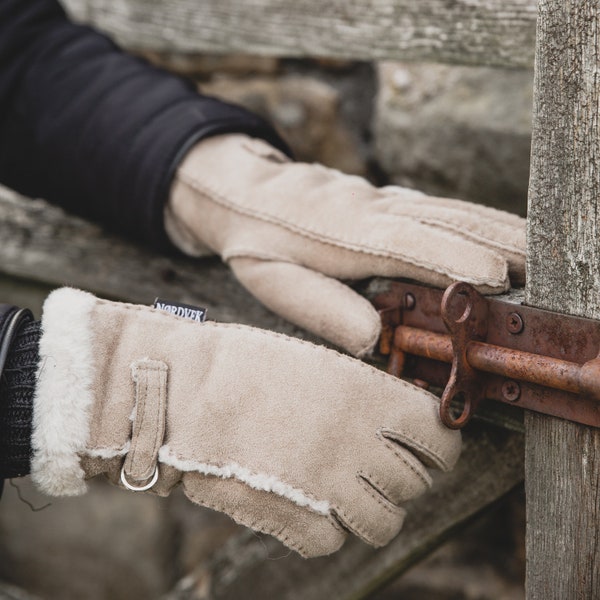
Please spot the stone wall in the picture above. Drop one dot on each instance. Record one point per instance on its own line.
(462, 132)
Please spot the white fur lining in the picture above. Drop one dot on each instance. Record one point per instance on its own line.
(63, 396)
(108, 452)
(258, 481)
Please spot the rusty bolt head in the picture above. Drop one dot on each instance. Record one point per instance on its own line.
(511, 390)
(514, 323)
(409, 301)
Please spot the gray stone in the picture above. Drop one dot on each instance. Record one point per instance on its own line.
(106, 544)
(305, 110)
(456, 131)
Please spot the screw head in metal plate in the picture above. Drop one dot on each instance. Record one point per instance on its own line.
(409, 301)
(514, 323)
(511, 390)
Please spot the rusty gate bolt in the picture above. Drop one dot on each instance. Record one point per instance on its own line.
(511, 390)
(514, 323)
(409, 301)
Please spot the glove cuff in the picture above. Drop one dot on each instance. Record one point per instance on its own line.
(63, 397)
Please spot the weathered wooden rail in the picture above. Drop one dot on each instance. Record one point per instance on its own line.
(472, 32)
(562, 459)
(41, 243)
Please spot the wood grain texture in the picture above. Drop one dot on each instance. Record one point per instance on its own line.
(474, 32)
(490, 466)
(563, 459)
(41, 243)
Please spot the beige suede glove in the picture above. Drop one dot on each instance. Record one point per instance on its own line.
(290, 231)
(288, 438)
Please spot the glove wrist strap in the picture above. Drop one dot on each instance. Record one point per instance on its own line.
(150, 378)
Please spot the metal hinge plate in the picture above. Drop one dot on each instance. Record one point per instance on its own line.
(479, 348)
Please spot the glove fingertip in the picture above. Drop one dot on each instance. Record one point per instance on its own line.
(361, 339)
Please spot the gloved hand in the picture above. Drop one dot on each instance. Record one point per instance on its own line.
(288, 438)
(290, 231)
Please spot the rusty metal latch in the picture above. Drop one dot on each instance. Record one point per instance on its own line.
(479, 348)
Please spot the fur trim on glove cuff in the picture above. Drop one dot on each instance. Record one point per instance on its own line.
(63, 396)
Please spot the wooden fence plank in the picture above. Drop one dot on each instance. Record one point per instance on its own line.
(41, 243)
(562, 459)
(474, 32)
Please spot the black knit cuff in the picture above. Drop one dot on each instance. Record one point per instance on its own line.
(17, 387)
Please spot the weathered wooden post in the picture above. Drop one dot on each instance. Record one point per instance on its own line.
(562, 463)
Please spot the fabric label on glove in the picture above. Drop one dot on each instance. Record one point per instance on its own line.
(195, 313)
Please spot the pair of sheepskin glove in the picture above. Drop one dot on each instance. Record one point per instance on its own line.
(286, 437)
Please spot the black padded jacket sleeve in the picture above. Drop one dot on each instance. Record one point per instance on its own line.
(94, 129)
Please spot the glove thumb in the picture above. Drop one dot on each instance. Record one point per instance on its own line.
(311, 300)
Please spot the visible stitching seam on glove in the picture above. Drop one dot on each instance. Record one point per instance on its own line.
(420, 473)
(258, 481)
(70, 314)
(150, 378)
(219, 198)
(254, 525)
(351, 525)
(379, 498)
(472, 235)
(381, 488)
(159, 315)
(431, 452)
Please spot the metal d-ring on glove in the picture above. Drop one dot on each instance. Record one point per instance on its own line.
(288, 438)
(139, 488)
(148, 429)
